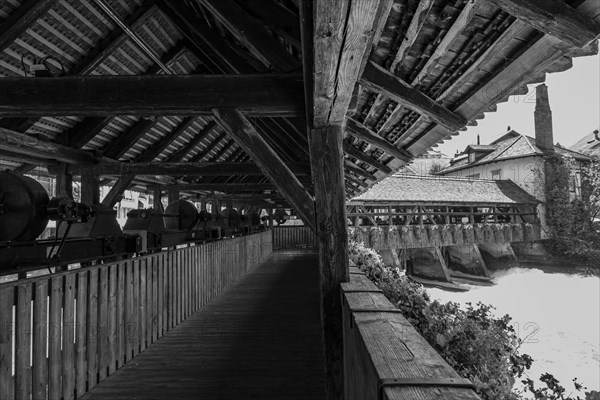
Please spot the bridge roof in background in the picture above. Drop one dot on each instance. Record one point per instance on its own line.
(445, 190)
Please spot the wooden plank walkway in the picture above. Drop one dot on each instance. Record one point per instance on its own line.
(259, 340)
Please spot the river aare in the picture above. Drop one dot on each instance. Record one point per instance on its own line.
(555, 311)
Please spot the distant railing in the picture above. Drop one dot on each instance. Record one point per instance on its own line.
(384, 355)
(68, 331)
(293, 237)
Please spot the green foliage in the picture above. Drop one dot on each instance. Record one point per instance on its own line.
(573, 229)
(477, 344)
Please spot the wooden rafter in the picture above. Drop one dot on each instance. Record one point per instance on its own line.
(359, 155)
(252, 35)
(358, 171)
(243, 132)
(416, 25)
(554, 17)
(218, 53)
(113, 168)
(211, 146)
(148, 95)
(118, 147)
(91, 61)
(180, 154)
(223, 187)
(360, 131)
(20, 143)
(21, 19)
(380, 80)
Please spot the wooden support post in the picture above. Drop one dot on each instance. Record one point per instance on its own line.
(328, 177)
(90, 189)
(172, 196)
(64, 182)
(270, 211)
(157, 198)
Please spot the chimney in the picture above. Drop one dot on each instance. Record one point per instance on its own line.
(544, 138)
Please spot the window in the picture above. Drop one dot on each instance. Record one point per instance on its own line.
(471, 157)
(497, 174)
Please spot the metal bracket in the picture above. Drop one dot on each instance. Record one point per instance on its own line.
(461, 383)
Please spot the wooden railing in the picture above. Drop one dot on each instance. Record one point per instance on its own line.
(293, 237)
(63, 333)
(385, 357)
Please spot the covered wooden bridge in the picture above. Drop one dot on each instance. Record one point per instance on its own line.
(293, 103)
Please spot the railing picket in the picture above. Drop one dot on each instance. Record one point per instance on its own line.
(23, 342)
(40, 341)
(81, 333)
(54, 339)
(92, 329)
(68, 338)
(103, 327)
(142, 306)
(7, 301)
(121, 300)
(113, 344)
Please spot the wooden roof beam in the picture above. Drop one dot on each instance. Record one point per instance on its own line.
(152, 95)
(180, 154)
(217, 52)
(211, 146)
(343, 37)
(416, 25)
(21, 19)
(359, 155)
(112, 168)
(358, 171)
(380, 80)
(158, 147)
(20, 143)
(242, 131)
(121, 144)
(361, 132)
(279, 18)
(222, 187)
(252, 35)
(554, 17)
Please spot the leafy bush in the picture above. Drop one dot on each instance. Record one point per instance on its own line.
(478, 345)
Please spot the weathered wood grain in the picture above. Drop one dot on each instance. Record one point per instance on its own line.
(269, 162)
(330, 203)
(556, 18)
(151, 95)
(360, 131)
(253, 36)
(380, 80)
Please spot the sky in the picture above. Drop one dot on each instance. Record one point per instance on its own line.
(574, 99)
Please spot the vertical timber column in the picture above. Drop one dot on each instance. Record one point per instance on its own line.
(327, 167)
(173, 196)
(64, 182)
(157, 198)
(90, 188)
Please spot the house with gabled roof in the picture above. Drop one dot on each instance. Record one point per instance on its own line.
(518, 157)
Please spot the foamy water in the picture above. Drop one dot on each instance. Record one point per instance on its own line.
(557, 314)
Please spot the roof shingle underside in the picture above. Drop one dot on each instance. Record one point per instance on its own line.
(495, 55)
(443, 190)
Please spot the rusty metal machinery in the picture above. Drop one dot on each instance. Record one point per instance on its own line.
(158, 230)
(83, 233)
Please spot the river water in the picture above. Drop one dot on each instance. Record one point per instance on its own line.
(555, 312)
